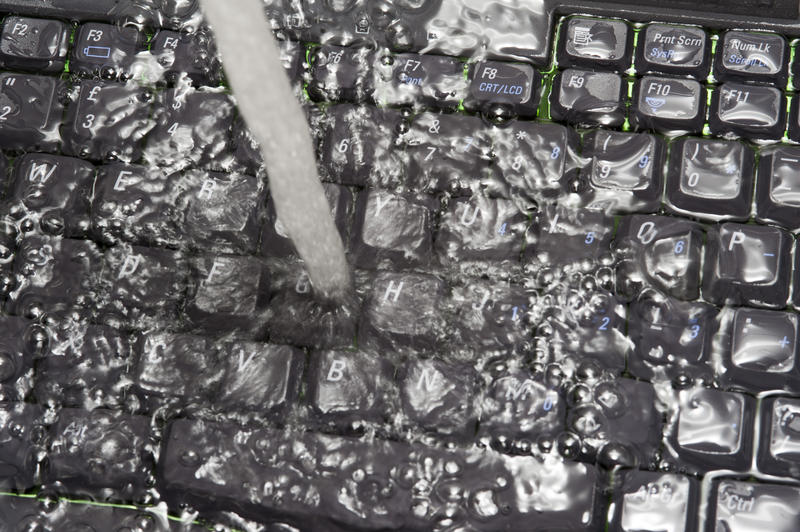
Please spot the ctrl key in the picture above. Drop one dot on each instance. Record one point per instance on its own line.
(738, 506)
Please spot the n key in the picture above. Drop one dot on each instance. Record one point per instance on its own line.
(30, 112)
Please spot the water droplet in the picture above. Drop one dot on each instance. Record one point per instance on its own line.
(569, 445)
(8, 366)
(189, 458)
(482, 503)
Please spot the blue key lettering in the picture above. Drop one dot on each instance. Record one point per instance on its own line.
(604, 324)
(785, 342)
(502, 229)
(548, 404)
(589, 238)
(695, 331)
(680, 245)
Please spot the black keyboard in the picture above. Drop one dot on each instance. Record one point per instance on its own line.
(572, 232)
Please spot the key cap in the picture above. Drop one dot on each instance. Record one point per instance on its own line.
(779, 448)
(195, 123)
(710, 179)
(439, 397)
(624, 171)
(34, 44)
(513, 86)
(390, 228)
(347, 388)
(20, 342)
(794, 120)
(778, 190)
(259, 377)
(566, 236)
(403, 311)
(341, 74)
(588, 98)
(713, 431)
(670, 105)
(593, 42)
(741, 506)
(21, 431)
(186, 54)
(85, 367)
(419, 79)
(30, 112)
(759, 350)
(658, 251)
(747, 265)
(479, 228)
(105, 50)
(682, 50)
(750, 111)
(247, 157)
(671, 338)
(54, 192)
(107, 121)
(750, 56)
(144, 286)
(796, 282)
(227, 293)
(98, 451)
(649, 501)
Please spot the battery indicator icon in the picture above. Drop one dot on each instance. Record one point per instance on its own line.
(103, 52)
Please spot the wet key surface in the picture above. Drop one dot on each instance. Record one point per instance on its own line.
(592, 42)
(493, 83)
(650, 502)
(750, 111)
(674, 49)
(669, 105)
(34, 44)
(740, 506)
(753, 57)
(779, 449)
(588, 97)
(778, 191)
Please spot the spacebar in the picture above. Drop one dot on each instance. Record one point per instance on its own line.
(99, 10)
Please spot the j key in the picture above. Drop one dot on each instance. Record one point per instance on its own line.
(34, 44)
(713, 431)
(85, 367)
(30, 112)
(649, 501)
(779, 449)
(108, 121)
(747, 265)
(419, 79)
(20, 343)
(93, 451)
(54, 192)
(439, 397)
(710, 179)
(669, 105)
(595, 42)
(21, 429)
(510, 85)
(747, 56)
(659, 251)
(564, 236)
(390, 228)
(340, 74)
(670, 338)
(739, 506)
(760, 350)
(750, 111)
(624, 171)
(404, 311)
(674, 50)
(259, 377)
(588, 97)
(349, 387)
(193, 55)
(105, 50)
(479, 228)
(778, 190)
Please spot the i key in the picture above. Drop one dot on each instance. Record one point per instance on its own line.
(751, 111)
(30, 112)
(34, 44)
(778, 190)
(669, 104)
(494, 83)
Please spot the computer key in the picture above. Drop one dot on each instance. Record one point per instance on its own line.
(495, 84)
(21, 441)
(30, 112)
(759, 349)
(747, 265)
(107, 121)
(713, 429)
(563, 236)
(105, 51)
(746, 110)
(778, 187)
(85, 366)
(710, 179)
(192, 55)
(347, 387)
(419, 79)
(100, 452)
(624, 172)
(340, 73)
(34, 44)
(247, 157)
(682, 50)
(651, 501)
(750, 56)
(595, 42)
(392, 230)
(259, 377)
(52, 191)
(670, 105)
(588, 97)
(659, 251)
(21, 341)
(737, 505)
(779, 448)
(796, 282)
